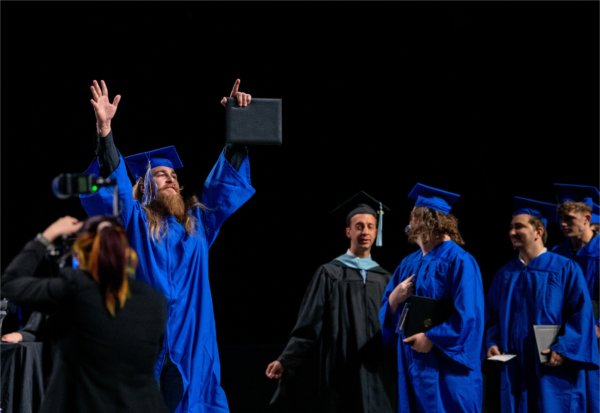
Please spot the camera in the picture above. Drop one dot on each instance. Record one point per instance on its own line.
(69, 185)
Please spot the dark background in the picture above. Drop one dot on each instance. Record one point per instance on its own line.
(485, 99)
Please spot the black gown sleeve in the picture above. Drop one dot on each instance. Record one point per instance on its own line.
(21, 286)
(32, 331)
(108, 155)
(235, 154)
(309, 325)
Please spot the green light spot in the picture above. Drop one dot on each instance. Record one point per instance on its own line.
(94, 188)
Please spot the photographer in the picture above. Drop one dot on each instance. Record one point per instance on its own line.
(111, 325)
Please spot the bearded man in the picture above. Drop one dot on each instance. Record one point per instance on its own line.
(172, 240)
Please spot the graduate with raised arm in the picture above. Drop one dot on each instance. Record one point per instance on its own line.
(439, 370)
(172, 238)
(539, 287)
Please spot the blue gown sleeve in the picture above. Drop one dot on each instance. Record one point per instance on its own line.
(579, 327)
(492, 328)
(225, 190)
(460, 337)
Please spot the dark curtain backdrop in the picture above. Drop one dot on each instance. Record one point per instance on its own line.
(486, 99)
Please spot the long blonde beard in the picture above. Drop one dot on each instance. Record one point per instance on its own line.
(166, 205)
(171, 205)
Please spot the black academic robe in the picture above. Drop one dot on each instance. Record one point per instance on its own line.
(100, 363)
(338, 332)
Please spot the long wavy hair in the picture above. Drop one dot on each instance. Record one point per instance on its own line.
(433, 225)
(102, 249)
(156, 211)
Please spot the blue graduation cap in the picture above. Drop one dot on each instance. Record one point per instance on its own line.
(433, 198)
(544, 211)
(138, 164)
(141, 164)
(577, 193)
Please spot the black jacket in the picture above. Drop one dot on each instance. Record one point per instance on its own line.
(103, 363)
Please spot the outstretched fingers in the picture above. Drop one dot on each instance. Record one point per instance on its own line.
(104, 88)
(96, 91)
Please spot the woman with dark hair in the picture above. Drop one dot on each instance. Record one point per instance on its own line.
(109, 326)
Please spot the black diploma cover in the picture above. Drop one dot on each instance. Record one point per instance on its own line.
(259, 123)
(421, 313)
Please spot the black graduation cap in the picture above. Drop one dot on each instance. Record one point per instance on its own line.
(363, 203)
(544, 211)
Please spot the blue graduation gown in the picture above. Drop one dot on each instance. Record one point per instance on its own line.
(588, 258)
(177, 266)
(549, 290)
(448, 378)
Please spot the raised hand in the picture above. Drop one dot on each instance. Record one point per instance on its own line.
(63, 226)
(103, 108)
(243, 99)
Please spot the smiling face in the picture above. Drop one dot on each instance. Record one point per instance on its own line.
(523, 233)
(166, 181)
(362, 232)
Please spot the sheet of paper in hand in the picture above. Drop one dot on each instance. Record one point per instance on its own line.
(502, 357)
(259, 123)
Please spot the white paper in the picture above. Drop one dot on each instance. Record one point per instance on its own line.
(503, 357)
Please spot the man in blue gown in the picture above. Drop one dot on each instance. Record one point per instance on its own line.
(582, 245)
(540, 288)
(439, 370)
(172, 240)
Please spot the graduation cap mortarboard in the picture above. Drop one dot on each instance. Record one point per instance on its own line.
(544, 211)
(434, 198)
(141, 164)
(167, 156)
(363, 203)
(577, 193)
